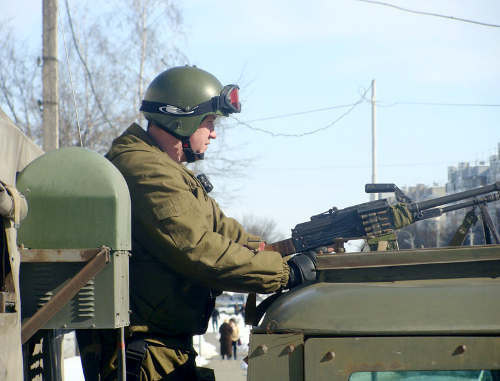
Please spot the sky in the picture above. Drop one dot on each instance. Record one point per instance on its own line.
(291, 57)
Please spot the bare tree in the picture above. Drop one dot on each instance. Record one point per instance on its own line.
(264, 227)
(152, 39)
(20, 83)
(107, 57)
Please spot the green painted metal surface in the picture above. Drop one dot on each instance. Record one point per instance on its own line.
(102, 303)
(405, 265)
(453, 306)
(276, 357)
(387, 316)
(76, 199)
(336, 359)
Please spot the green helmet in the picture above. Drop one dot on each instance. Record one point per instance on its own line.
(178, 100)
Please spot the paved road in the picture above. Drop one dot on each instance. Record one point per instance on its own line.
(225, 370)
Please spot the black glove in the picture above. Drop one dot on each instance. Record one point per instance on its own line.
(302, 269)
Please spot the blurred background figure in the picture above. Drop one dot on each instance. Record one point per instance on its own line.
(215, 319)
(226, 333)
(235, 336)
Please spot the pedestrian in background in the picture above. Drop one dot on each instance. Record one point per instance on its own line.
(235, 336)
(226, 333)
(215, 319)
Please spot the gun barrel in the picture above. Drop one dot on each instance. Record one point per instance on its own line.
(423, 205)
(435, 212)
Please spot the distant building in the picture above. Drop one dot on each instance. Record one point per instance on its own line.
(467, 176)
(494, 171)
(439, 231)
(422, 192)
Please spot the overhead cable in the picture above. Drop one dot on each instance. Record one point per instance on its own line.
(84, 63)
(351, 107)
(429, 13)
(381, 104)
(72, 86)
(329, 125)
(299, 113)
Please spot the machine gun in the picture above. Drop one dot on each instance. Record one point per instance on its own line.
(379, 219)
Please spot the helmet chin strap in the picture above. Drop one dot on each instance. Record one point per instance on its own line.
(191, 156)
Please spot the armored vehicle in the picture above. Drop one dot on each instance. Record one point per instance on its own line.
(428, 314)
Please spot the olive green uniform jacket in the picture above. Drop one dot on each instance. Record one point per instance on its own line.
(185, 250)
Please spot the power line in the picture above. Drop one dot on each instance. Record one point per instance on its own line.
(446, 104)
(362, 166)
(351, 107)
(280, 116)
(429, 13)
(378, 103)
(72, 87)
(280, 134)
(381, 104)
(84, 63)
(401, 165)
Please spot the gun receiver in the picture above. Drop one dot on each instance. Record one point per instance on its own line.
(376, 218)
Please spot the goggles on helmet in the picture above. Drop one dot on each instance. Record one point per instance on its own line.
(227, 102)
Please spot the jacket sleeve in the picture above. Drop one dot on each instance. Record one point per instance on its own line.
(232, 229)
(178, 225)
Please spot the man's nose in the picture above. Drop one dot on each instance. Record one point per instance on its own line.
(213, 134)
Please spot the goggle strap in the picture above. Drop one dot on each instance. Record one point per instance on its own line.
(166, 109)
(220, 103)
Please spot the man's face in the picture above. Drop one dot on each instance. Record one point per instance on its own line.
(201, 137)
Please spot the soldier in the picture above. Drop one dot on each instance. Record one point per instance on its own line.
(185, 250)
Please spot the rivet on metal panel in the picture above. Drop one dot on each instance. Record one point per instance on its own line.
(329, 356)
(259, 351)
(459, 350)
(262, 348)
(271, 326)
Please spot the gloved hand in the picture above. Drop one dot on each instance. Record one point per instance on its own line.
(302, 269)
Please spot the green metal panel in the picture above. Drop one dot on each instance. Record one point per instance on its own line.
(76, 199)
(404, 265)
(102, 303)
(335, 359)
(276, 357)
(453, 306)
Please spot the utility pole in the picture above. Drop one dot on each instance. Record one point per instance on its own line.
(50, 77)
(373, 196)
